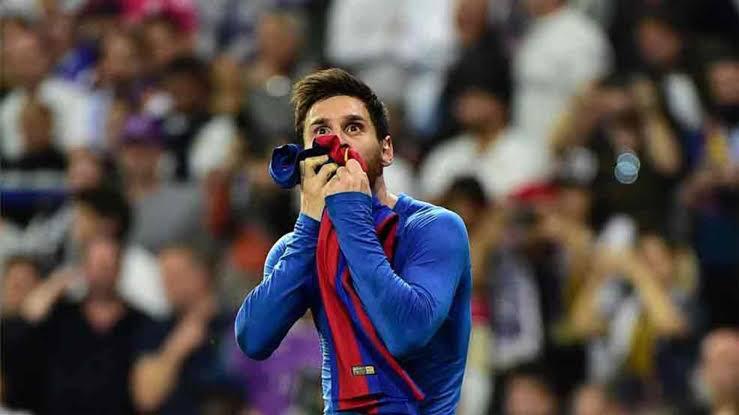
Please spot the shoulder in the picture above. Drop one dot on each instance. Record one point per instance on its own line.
(424, 218)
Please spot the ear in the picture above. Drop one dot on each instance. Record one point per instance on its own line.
(386, 150)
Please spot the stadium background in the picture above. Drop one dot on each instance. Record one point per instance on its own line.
(591, 146)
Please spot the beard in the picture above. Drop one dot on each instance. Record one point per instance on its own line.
(374, 167)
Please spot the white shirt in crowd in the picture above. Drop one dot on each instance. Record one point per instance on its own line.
(68, 105)
(559, 54)
(508, 163)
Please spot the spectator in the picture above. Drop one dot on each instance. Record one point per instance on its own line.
(637, 307)
(86, 347)
(498, 157)
(466, 197)
(163, 212)
(21, 275)
(483, 62)
(276, 66)
(28, 66)
(288, 382)
(165, 38)
(636, 152)
(117, 80)
(36, 177)
(719, 372)
(181, 369)
(561, 52)
(529, 395)
(593, 399)
(186, 82)
(47, 232)
(670, 63)
(710, 193)
(104, 212)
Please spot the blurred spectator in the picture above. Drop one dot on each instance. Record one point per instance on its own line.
(670, 63)
(186, 82)
(46, 233)
(637, 308)
(181, 13)
(117, 81)
(482, 63)
(287, 382)
(498, 157)
(406, 46)
(466, 197)
(181, 369)
(104, 212)
(34, 181)
(277, 65)
(528, 394)
(711, 191)
(593, 399)
(719, 373)
(21, 275)
(28, 65)
(165, 38)
(561, 52)
(163, 212)
(86, 348)
(636, 153)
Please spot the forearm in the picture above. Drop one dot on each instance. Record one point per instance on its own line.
(661, 145)
(280, 299)
(405, 311)
(154, 378)
(666, 317)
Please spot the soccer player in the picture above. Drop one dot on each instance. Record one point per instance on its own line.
(418, 302)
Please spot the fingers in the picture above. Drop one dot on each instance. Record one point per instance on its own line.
(326, 171)
(308, 166)
(354, 166)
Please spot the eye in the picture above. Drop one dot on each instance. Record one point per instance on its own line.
(321, 130)
(353, 128)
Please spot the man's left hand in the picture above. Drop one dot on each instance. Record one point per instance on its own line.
(349, 178)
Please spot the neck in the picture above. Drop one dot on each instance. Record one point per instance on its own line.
(550, 8)
(486, 136)
(138, 187)
(379, 190)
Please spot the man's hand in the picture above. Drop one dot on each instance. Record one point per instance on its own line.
(312, 185)
(350, 178)
(39, 302)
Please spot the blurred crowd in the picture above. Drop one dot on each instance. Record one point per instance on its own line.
(591, 147)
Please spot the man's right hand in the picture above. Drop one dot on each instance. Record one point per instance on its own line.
(312, 183)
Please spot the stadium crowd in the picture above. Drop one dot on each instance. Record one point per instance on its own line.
(591, 147)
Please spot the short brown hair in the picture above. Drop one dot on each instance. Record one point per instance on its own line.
(334, 82)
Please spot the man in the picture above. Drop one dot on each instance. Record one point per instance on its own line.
(419, 304)
(181, 369)
(719, 373)
(561, 52)
(81, 352)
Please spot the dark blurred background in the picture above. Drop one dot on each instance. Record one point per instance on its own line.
(591, 147)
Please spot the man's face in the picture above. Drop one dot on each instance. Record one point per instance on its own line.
(121, 60)
(182, 279)
(723, 80)
(720, 365)
(102, 264)
(26, 61)
(658, 43)
(348, 118)
(527, 397)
